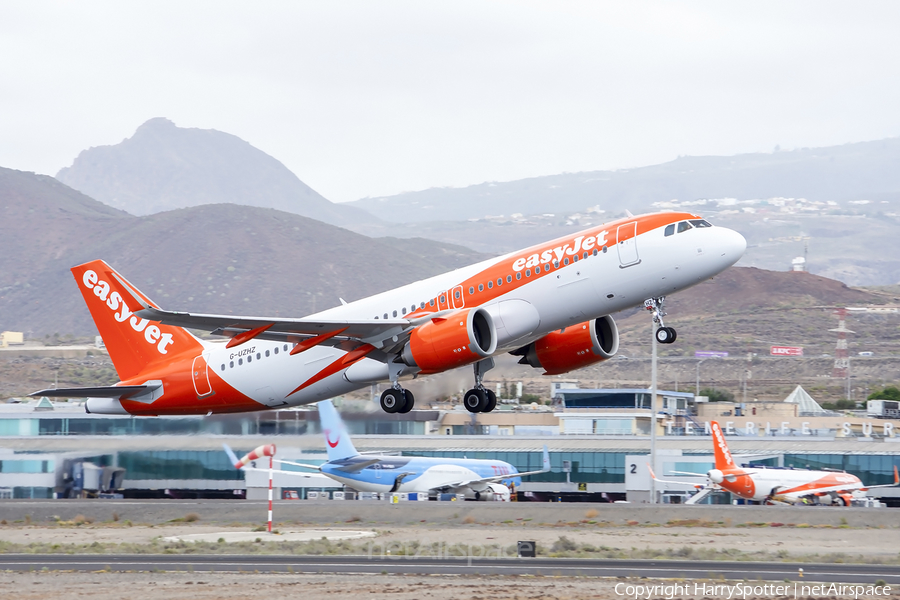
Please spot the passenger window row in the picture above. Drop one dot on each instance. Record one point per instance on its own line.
(490, 284)
(249, 357)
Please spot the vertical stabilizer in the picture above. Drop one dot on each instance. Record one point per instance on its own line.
(134, 344)
(337, 440)
(720, 448)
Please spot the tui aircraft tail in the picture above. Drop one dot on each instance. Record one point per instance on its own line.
(337, 440)
(134, 344)
(720, 448)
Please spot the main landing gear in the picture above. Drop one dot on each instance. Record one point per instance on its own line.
(664, 335)
(480, 399)
(397, 400)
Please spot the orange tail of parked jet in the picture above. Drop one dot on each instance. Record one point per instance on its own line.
(135, 345)
(724, 462)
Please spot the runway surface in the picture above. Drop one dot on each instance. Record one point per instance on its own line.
(430, 565)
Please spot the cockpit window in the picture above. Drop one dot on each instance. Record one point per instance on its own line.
(670, 229)
(684, 226)
(700, 223)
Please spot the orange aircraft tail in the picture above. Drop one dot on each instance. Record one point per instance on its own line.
(720, 448)
(134, 344)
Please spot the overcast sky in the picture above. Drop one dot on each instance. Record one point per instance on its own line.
(374, 98)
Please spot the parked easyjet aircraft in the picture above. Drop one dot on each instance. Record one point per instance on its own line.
(775, 485)
(477, 479)
(549, 304)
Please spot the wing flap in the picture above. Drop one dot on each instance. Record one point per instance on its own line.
(227, 324)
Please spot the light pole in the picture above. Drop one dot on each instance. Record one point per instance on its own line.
(699, 362)
(653, 409)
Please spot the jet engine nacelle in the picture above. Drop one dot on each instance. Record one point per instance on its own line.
(491, 492)
(716, 476)
(444, 343)
(572, 348)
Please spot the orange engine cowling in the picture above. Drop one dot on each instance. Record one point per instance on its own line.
(573, 347)
(445, 343)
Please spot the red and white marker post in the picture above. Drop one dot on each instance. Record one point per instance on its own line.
(266, 450)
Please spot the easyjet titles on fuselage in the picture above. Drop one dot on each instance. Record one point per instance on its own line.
(586, 243)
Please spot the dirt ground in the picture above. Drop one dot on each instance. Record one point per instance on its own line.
(882, 543)
(246, 586)
(868, 544)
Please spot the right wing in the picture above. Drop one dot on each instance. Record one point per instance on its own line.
(545, 469)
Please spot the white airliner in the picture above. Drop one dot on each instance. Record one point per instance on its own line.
(549, 304)
(774, 485)
(476, 479)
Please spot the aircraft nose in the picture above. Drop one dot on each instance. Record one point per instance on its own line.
(731, 245)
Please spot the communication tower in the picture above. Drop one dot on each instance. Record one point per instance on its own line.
(841, 368)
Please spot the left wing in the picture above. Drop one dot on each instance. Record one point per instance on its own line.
(279, 329)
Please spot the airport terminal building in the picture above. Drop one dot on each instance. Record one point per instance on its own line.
(598, 452)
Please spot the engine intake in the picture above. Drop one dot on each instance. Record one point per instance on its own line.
(444, 343)
(572, 348)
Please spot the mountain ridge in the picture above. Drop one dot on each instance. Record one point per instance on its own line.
(211, 258)
(844, 171)
(164, 167)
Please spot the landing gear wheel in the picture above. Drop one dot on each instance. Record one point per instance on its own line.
(666, 335)
(475, 400)
(410, 402)
(491, 401)
(393, 400)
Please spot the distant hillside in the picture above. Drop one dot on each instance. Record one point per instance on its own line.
(850, 171)
(748, 310)
(164, 167)
(213, 258)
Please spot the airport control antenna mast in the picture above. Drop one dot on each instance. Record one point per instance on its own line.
(841, 368)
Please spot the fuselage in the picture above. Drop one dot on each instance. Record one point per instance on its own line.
(418, 474)
(761, 484)
(528, 293)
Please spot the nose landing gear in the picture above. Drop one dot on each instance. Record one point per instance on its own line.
(664, 335)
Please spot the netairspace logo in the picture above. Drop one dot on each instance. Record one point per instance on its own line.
(745, 590)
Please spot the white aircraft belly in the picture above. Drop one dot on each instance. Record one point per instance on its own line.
(270, 379)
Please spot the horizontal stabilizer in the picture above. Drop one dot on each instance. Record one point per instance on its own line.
(107, 391)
